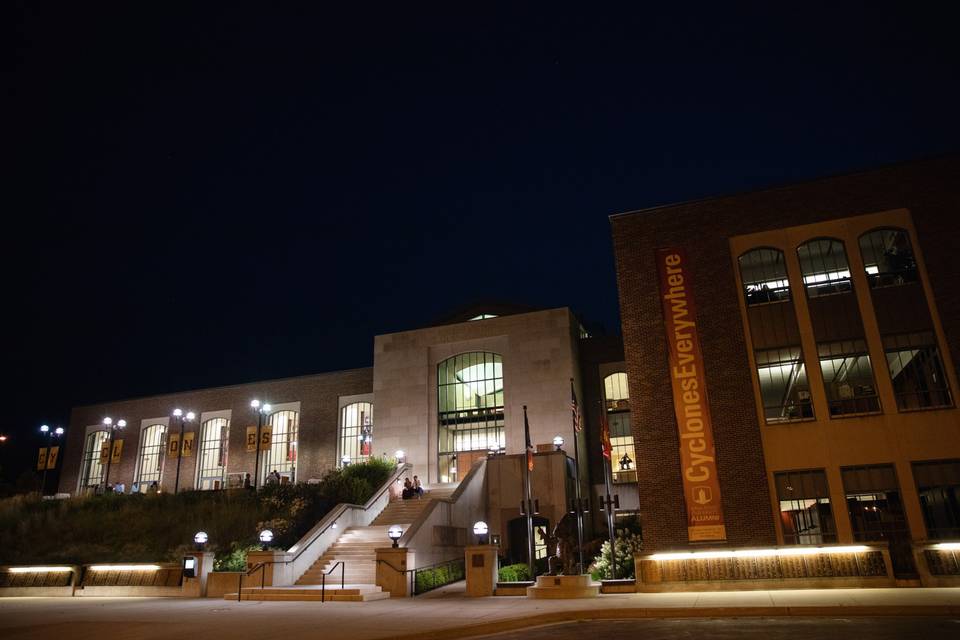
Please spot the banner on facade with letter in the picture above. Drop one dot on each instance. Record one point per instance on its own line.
(251, 439)
(701, 487)
(117, 450)
(105, 452)
(187, 450)
(42, 459)
(173, 445)
(52, 457)
(266, 433)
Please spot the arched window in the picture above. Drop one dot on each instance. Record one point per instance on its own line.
(841, 345)
(282, 454)
(356, 432)
(150, 460)
(781, 373)
(214, 435)
(93, 460)
(888, 257)
(904, 319)
(823, 264)
(616, 400)
(469, 411)
(763, 274)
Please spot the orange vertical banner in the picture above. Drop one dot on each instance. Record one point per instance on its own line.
(42, 459)
(52, 456)
(698, 461)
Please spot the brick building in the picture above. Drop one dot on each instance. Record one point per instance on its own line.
(828, 320)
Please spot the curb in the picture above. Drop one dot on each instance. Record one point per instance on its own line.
(547, 619)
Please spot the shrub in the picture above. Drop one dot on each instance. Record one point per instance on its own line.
(514, 573)
(628, 543)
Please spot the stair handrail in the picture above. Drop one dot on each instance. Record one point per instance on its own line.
(327, 521)
(323, 579)
(435, 502)
(260, 566)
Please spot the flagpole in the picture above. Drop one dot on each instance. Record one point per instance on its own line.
(576, 475)
(528, 500)
(607, 472)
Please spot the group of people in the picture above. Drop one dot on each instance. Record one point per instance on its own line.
(412, 489)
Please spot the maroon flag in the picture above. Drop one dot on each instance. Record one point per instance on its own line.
(575, 408)
(526, 433)
(605, 435)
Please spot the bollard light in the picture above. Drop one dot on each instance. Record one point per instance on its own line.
(200, 539)
(558, 442)
(480, 529)
(266, 537)
(394, 533)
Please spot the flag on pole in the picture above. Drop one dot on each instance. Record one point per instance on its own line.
(605, 435)
(575, 408)
(526, 433)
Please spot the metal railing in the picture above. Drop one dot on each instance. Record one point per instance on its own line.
(323, 579)
(261, 567)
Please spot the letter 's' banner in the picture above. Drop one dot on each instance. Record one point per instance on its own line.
(701, 487)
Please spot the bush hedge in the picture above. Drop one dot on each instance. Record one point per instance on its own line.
(514, 573)
(160, 527)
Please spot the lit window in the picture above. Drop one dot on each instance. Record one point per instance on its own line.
(213, 454)
(823, 264)
(623, 455)
(150, 462)
(916, 371)
(470, 411)
(848, 377)
(806, 516)
(93, 462)
(763, 274)
(888, 258)
(783, 385)
(282, 454)
(482, 316)
(356, 431)
(875, 506)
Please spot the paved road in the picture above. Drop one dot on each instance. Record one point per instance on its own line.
(746, 629)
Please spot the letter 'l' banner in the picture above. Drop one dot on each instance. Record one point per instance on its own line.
(701, 487)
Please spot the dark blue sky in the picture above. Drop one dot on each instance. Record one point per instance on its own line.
(209, 195)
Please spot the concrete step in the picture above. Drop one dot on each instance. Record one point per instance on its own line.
(350, 593)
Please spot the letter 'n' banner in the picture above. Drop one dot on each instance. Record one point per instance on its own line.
(701, 487)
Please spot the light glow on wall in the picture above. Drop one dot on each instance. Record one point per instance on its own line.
(760, 553)
(39, 569)
(125, 567)
(947, 546)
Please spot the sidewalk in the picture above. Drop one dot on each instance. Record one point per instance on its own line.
(445, 610)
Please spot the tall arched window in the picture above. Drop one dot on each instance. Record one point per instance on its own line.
(282, 454)
(150, 460)
(904, 319)
(841, 346)
(356, 432)
(93, 463)
(782, 376)
(211, 470)
(616, 397)
(470, 411)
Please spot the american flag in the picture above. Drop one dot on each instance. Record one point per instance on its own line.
(575, 408)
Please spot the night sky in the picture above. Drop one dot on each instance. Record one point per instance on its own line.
(211, 195)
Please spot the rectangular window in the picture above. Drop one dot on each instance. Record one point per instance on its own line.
(623, 456)
(213, 454)
(783, 385)
(916, 371)
(848, 377)
(876, 512)
(938, 485)
(806, 516)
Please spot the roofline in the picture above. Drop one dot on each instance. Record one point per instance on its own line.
(453, 324)
(787, 185)
(218, 387)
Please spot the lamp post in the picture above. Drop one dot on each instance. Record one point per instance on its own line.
(266, 537)
(189, 417)
(108, 422)
(50, 433)
(261, 409)
(200, 539)
(394, 533)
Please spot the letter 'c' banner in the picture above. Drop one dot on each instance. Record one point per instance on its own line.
(701, 487)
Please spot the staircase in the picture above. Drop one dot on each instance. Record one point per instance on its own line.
(356, 548)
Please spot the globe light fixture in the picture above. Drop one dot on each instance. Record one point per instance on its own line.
(401, 456)
(480, 529)
(121, 424)
(44, 428)
(191, 415)
(558, 442)
(255, 404)
(345, 460)
(266, 408)
(58, 431)
(177, 413)
(3, 438)
(394, 533)
(108, 421)
(200, 539)
(266, 537)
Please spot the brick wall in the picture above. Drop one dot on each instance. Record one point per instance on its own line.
(929, 189)
(317, 441)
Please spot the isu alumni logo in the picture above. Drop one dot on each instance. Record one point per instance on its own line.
(697, 455)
